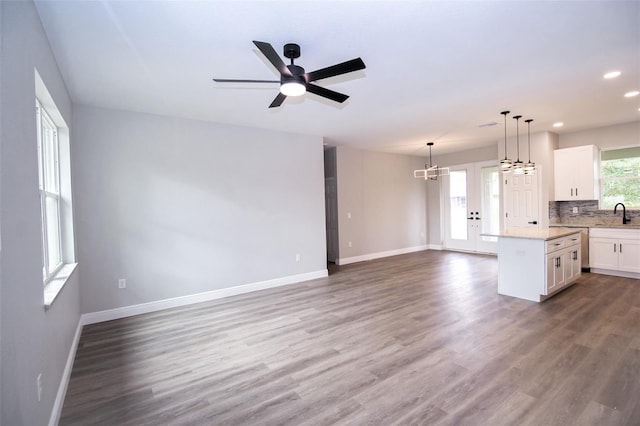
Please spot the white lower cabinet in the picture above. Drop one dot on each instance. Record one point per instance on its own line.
(535, 268)
(615, 251)
(563, 265)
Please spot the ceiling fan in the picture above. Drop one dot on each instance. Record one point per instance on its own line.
(293, 80)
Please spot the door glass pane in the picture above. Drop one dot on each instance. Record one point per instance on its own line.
(490, 205)
(458, 203)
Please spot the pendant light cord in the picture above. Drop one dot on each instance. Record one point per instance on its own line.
(529, 136)
(505, 132)
(517, 118)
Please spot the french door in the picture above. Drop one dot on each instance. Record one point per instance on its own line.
(472, 207)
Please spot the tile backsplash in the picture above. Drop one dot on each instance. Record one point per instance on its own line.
(561, 212)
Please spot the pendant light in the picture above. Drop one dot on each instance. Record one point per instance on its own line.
(505, 164)
(518, 166)
(430, 171)
(529, 166)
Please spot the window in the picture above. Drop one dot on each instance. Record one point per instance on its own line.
(50, 198)
(620, 177)
(54, 181)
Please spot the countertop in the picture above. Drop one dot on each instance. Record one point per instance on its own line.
(597, 225)
(535, 233)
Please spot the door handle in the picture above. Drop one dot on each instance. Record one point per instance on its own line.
(533, 222)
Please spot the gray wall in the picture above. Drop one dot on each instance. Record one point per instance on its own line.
(179, 207)
(386, 203)
(604, 137)
(33, 340)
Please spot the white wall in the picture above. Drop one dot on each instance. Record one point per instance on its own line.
(180, 207)
(604, 137)
(34, 341)
(386, 203)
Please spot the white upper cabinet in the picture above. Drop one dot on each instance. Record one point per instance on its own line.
(576, 173)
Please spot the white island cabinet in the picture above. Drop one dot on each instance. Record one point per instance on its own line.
(533, 264)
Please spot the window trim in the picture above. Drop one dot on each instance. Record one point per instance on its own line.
(62, 192)
(44, 120)
(601, 179)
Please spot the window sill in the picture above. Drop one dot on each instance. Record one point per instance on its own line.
(54, 287)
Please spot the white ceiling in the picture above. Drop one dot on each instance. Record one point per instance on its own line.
(435, 70)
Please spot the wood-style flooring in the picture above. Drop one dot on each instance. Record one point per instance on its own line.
(421, 338)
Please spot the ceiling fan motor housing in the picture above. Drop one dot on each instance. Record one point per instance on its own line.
(297, 77)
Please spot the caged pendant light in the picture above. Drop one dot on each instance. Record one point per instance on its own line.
(529, 166)
(505, 164)
(518, 166)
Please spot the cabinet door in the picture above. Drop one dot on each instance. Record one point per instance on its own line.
(629, 255)
(563, 175)
(555, 272)
(574, 264)
(574, 173)
(583, 169)
(603, 253)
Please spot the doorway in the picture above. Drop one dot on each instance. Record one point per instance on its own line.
(471, 195)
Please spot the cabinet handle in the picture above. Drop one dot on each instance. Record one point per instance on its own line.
(620, 247)
(575, 255)
(572, 192)
(576, 192)
(614, 247)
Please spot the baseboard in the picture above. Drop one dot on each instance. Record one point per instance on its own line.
(435, 247)
(623, 274)
(143, 308)
(378, 255)
(66, 376)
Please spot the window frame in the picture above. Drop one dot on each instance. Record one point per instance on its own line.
(601, 203)
(46, 124)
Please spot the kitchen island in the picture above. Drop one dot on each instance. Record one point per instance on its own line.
(534, 264)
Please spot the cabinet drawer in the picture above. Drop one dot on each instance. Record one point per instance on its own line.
(557, 244)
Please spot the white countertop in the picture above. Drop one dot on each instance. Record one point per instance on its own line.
(535, 233)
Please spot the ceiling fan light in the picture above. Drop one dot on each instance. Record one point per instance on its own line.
(293, 88)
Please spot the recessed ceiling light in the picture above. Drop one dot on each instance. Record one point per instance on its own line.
(631, 94)
(558, 124)
(612, 74)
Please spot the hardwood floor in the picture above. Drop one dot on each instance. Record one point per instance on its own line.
(422, 338)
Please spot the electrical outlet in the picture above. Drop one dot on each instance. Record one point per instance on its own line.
(575, 210)
(297, 257)
(349, 243)
(122, 283)
(39, 386)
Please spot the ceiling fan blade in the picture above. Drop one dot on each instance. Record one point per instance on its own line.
(231, 80)
(343, 68)
(278, 100)
(268, 51)
(326, 93)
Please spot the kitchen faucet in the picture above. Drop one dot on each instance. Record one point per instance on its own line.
(624, 213)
